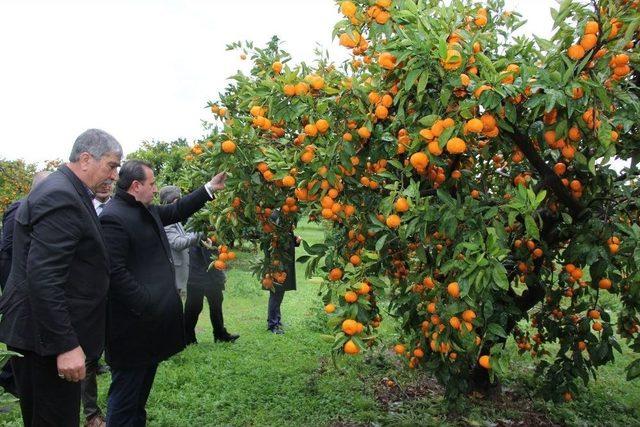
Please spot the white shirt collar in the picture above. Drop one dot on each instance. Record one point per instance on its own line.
(97, 202)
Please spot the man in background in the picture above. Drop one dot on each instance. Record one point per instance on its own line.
(6, 247)
(192, 261)
(103, 195)
(8, 222)
(89, 386)
(284, 253)
(179, 240)
(205, 282)
(54, 304)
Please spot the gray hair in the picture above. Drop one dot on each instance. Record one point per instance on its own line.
(95, 142)
(38, 178)
(169, 193)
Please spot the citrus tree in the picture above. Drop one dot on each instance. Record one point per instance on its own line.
(165, 158)
(15, 180)
(484, 185)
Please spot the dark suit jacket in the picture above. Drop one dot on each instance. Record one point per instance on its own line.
(199, 273)
(55, 297)
(286, 253)
(144, 321)
(6, 242)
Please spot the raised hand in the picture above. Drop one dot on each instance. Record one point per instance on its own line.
(218, 181)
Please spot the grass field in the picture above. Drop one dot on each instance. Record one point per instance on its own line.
(268, 380)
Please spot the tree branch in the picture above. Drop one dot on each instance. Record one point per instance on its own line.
(549, 178)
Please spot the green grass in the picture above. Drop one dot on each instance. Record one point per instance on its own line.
(266, 379)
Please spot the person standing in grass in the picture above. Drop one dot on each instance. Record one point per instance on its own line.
(8, 223)
(285, 255)
(204, 281)
(192, 272)
(145, 321)
(179, 240)
(6, 248)
(54, 305)
(89, 385)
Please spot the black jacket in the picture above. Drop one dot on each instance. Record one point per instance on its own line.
(55, 296)
(285, 253)
(199, 273)
(6, 242)
(144, 315)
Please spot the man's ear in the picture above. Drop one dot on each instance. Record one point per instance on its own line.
(85, 158)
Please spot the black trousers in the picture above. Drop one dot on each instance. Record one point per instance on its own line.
(193, 308)
(7, 381)
(274, 317)
(6, 374)
(45, 399)
(128, 395)
(89, 388)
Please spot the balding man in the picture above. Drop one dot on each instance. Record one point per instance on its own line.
(54, 305)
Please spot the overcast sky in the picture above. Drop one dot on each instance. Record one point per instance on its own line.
(143, 69)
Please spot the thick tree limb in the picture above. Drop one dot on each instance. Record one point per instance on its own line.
(549, 179)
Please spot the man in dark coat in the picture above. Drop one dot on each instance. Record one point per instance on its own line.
(202, 282)
(198, 279)
(54, 304)
(89, 385)
(286, 254)
(6, 242)
(6, 248)
(144, 316)
(8, 222)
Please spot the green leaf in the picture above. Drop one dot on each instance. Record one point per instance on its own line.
(445, 197)
(442, 48)
(629, 33)
(411, 6)
(422, 83)
(496, 330)
(604, 134)
(592, 166)
(396, 164)
(531, 227)
(510, 111)
(428, 121)
(540, 197)
(563, 13)
(317, 249)
(330, 90)
(499, 276)
(445, 95)
(380, 243)
(486, 63)
(304, 258)
(411, 78)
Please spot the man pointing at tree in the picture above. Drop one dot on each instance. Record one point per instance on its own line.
(144, 321)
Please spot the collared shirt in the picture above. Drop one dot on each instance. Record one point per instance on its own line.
(207, 187)
(90, 192)
(98, 205)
